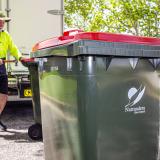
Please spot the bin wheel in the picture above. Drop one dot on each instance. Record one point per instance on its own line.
(35, 132)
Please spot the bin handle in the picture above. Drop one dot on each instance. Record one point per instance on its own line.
(72, 32)
(28, 60)
(25, 60)
(9, 61)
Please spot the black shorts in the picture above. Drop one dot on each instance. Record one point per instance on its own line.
(4, 84)
(3, 80)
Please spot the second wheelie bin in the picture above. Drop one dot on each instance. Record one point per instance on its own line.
(35, 130)
(100, 95)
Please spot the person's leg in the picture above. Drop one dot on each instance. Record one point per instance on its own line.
(3, 100)
(3, 96)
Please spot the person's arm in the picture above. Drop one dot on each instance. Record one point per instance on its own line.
(1, 61)
(14, 51)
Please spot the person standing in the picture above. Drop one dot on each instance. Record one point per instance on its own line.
(6, 46)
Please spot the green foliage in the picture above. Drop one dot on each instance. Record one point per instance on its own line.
(137, 17)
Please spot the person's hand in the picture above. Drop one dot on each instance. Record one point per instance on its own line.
(1, 61)
(22, 59)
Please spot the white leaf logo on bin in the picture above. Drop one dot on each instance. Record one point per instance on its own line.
(134, 96)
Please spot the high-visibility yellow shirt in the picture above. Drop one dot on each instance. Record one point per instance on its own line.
(7, 46)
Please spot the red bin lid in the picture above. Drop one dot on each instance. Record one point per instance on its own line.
(76, 35)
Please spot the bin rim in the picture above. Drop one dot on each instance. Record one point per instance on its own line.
(67, 38)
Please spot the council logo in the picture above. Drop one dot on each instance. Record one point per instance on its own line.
(134, 96)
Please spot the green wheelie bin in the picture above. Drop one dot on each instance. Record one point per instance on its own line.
(35, 130)
(100, 95)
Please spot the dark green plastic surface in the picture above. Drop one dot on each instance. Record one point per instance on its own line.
(87, 47)
(33, 69)
(100, 101)
(84, 108)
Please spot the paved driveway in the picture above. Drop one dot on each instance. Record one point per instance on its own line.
(15, 143)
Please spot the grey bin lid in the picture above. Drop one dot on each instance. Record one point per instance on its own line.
(97, 43)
